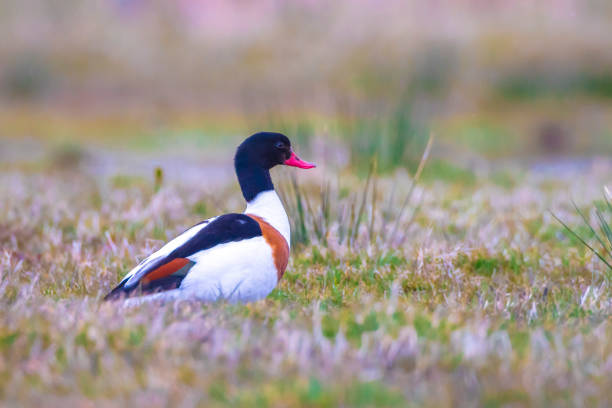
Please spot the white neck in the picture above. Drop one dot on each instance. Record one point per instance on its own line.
(268, 206)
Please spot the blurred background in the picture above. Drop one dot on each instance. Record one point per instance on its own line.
(128, 85)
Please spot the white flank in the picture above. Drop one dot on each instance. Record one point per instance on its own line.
(268, 206)
(241, 271)
(237, 271)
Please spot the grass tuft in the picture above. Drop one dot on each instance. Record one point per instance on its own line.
(601, 233)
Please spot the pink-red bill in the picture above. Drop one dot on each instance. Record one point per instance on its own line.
(295, 161)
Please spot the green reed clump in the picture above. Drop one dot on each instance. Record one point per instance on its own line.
(599, 240)
(395, 139)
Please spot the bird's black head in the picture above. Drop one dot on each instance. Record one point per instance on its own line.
(265, 150)
(257, 155)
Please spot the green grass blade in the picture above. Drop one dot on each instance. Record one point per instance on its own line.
(415, 179)
(603, 225)
(588, 224)
(579, 238)
(373, 204)
(364, 198)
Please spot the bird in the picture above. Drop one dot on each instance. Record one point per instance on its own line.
(235, 257)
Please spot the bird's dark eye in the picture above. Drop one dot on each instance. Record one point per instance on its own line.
(279, 145)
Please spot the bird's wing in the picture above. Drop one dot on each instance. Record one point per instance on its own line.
(166, 268)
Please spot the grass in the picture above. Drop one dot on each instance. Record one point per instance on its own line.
(468, 304)
(602, 237)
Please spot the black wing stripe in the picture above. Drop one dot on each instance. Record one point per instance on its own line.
(224, 229)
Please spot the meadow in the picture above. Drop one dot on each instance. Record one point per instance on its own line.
(400, 291)
(430, 264)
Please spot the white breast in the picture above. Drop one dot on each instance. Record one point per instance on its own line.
(268, 206)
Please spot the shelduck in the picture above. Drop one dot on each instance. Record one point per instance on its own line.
(235, 257)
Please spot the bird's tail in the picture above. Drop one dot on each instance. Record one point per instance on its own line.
(119, 292)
